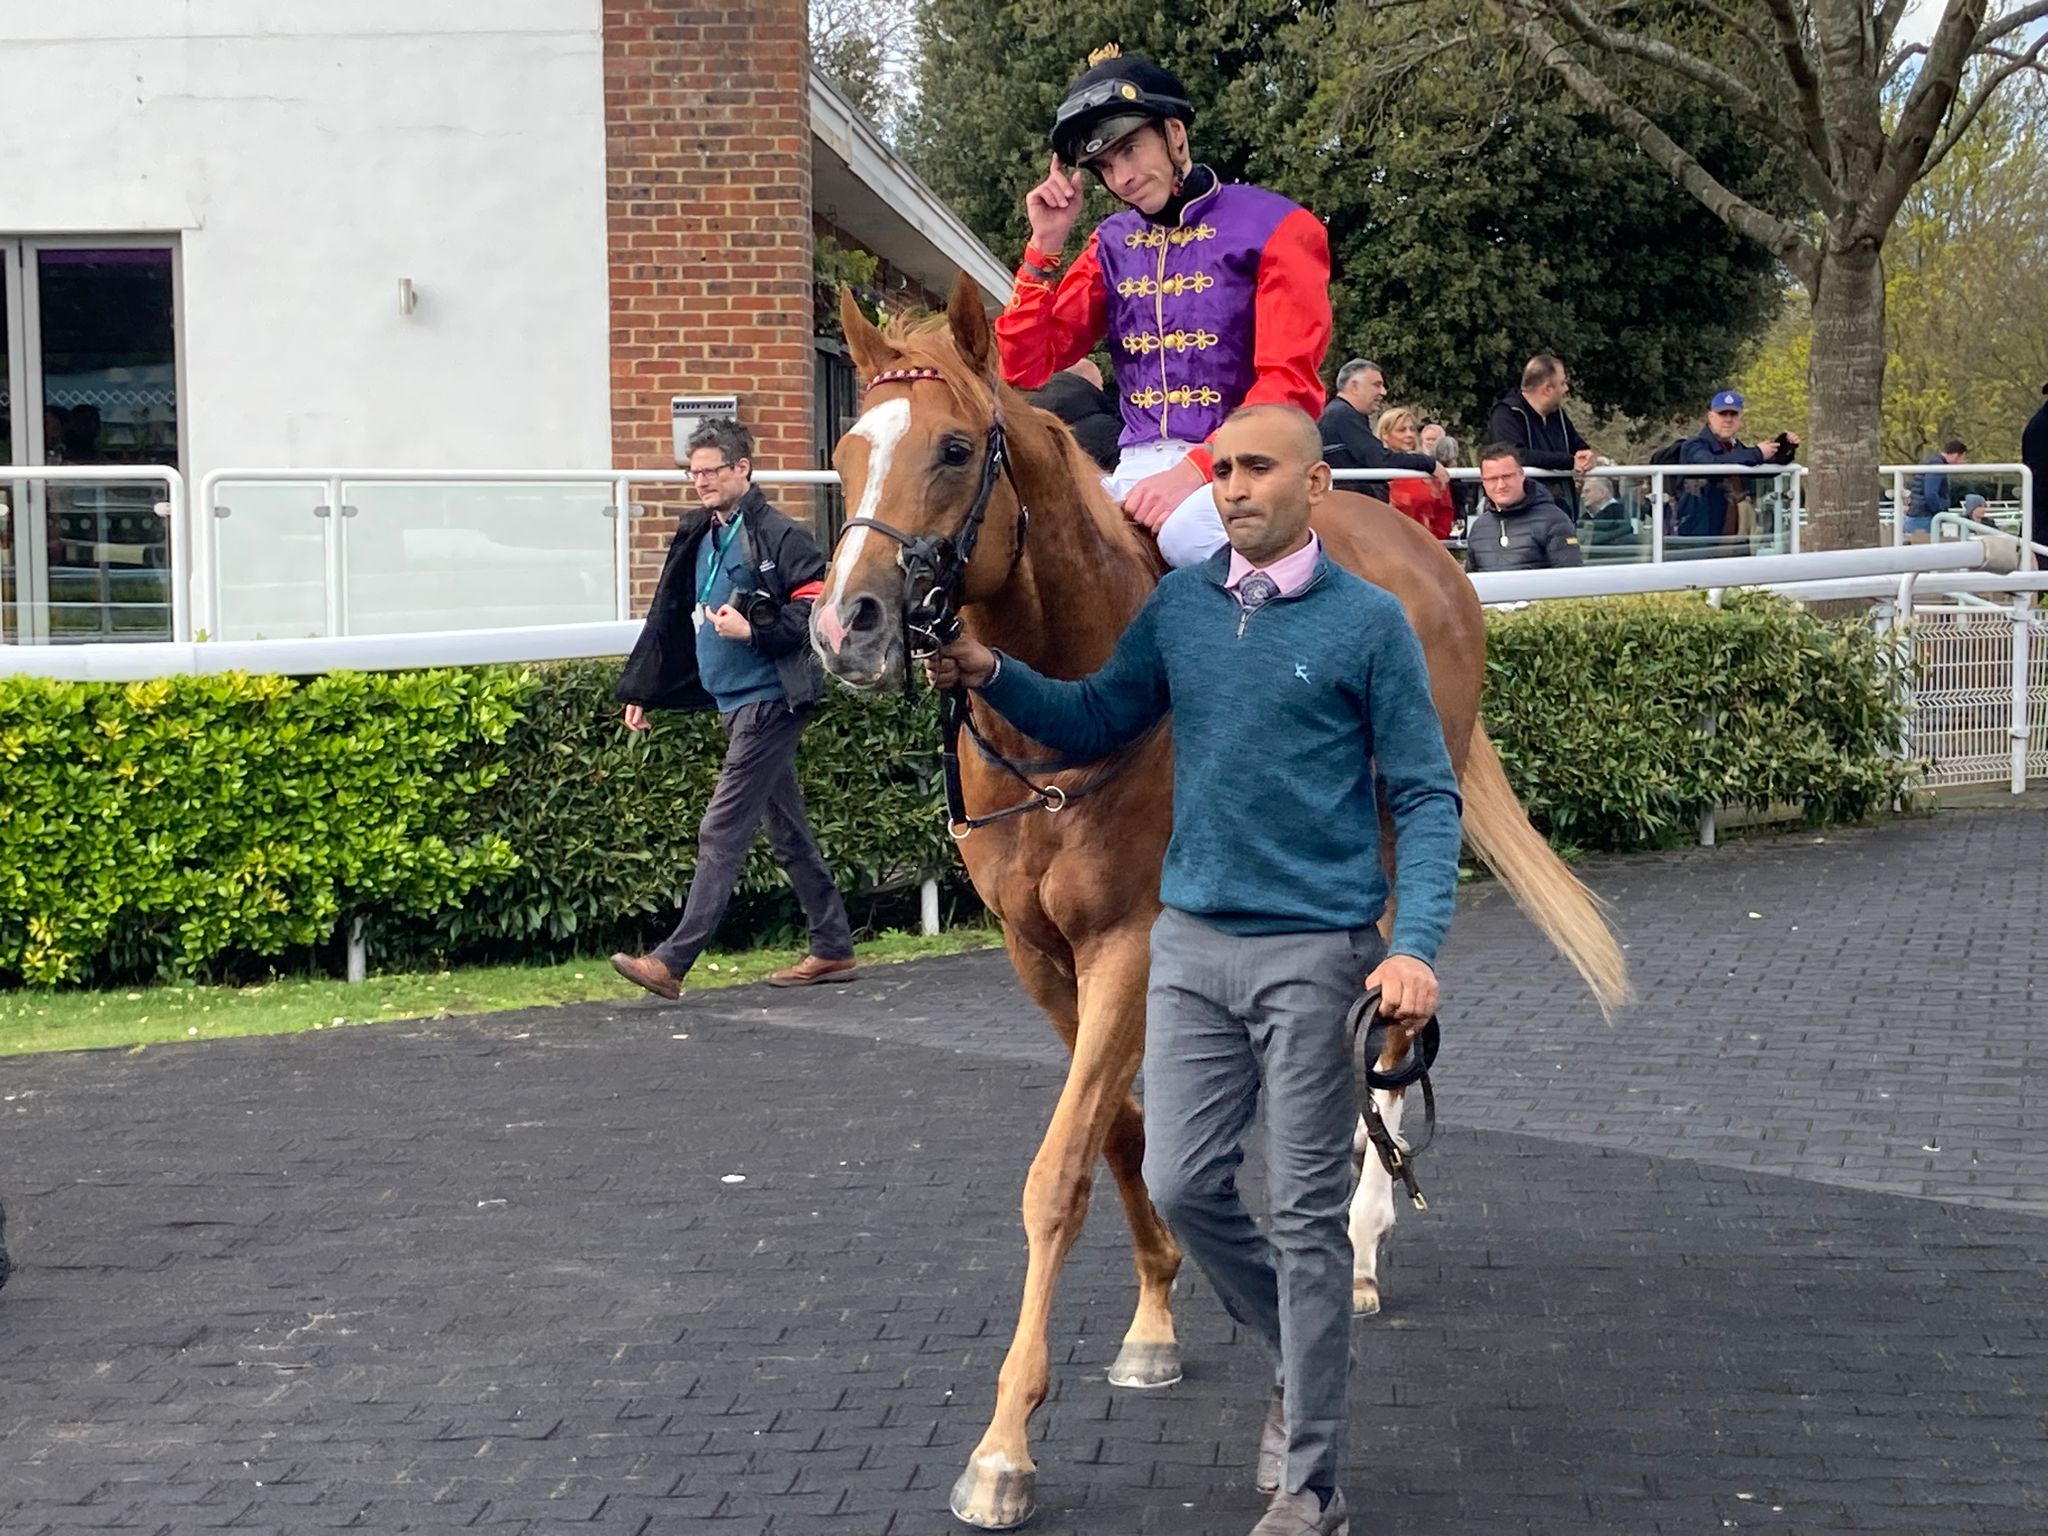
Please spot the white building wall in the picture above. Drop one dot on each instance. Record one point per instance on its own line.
(307, 156)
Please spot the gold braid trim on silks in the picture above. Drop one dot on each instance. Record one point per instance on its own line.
(1173, 287)
(1153, 236)
(1183, 396)
(1142, 345)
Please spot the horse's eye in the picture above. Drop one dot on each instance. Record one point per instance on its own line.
(955, 453)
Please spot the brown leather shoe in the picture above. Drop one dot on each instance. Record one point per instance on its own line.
(812, 969)
(646, 971)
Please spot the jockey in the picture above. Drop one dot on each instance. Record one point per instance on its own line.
(1212, 295)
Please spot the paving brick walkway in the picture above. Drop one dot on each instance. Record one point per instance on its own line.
(1765, 1254)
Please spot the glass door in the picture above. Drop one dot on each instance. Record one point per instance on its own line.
(102, 343)
(88, 375)
(14, 495)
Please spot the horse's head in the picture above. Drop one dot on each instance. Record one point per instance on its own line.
(934, 520)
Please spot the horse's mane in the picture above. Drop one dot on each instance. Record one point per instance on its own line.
(926, 341)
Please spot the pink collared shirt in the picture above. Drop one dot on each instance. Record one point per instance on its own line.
(1290, 573)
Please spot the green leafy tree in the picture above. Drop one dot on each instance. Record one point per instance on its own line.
(1475, 217)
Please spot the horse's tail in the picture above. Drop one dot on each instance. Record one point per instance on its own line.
(1570, 916)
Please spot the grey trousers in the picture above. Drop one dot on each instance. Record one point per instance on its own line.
(757, 782)
(1227, 1019)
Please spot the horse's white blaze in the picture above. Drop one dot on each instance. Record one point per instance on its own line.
(883, 427)
(1372, 1207)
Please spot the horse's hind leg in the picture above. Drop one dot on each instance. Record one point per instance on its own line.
(1372, 1208)
(998, 1490)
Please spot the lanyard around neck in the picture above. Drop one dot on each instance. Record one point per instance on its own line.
(718, 549)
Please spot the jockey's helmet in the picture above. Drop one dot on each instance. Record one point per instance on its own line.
(1116, 94)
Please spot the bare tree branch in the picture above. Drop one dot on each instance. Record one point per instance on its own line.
(1898, 60)
(1927, 104)
(1747, 106)
(1959, 125)
(1805, 84)
(1745, 218)
(2008, 24)
(1888, 18)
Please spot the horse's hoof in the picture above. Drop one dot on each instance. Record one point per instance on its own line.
(1365, 1296)
(1145, 1367)
(995, 1500)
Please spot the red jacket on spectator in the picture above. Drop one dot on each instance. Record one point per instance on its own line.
(1425, 501)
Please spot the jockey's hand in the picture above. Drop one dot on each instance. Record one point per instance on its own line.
(1153, 499)
(1407, 989)
(965, 663)
(1054, 207)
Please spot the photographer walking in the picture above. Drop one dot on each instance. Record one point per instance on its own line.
(729, 629)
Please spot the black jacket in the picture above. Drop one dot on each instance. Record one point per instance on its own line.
(2034, 454)
(662, 671)
(1090, 414)
(1349, 443)
(1547, 442)
(1532, 534)
(1703, 502)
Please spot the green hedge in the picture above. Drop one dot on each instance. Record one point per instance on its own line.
(196, 823)
(161, 826)
(1599, 710)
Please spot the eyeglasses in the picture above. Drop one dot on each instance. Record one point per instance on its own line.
(706, 474)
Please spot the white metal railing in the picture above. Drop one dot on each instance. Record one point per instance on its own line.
(1900, 473)
(172, 509)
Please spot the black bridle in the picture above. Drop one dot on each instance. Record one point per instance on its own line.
(934, 577)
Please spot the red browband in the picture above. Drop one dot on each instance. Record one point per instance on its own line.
(905, 376)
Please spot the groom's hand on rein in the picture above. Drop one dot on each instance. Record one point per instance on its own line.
(1407, 989)
(965, 663)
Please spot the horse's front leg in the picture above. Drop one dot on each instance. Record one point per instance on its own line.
(998, 1490)
(1372, 1206)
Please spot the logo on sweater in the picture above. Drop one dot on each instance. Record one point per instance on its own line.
(1301, 670)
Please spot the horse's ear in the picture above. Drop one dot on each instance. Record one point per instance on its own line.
(969, 320)
(871, 352)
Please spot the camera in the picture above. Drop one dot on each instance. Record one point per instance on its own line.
(760, 607)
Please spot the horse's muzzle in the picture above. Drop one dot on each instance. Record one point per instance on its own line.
(856, 640)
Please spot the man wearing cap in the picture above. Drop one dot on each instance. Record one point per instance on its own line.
(1211, 295)
(1707, 506)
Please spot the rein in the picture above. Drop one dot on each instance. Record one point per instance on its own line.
(1368, 1032)
(930, 623)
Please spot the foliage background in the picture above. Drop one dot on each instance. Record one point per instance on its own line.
(219, 825)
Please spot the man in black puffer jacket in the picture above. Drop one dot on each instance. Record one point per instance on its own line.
(1532, 418)
(1519, 528)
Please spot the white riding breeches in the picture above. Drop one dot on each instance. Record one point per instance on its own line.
(1193, 531)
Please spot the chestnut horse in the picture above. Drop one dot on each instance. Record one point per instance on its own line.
(1077, 891)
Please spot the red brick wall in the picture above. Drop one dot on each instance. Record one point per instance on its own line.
(708, 216)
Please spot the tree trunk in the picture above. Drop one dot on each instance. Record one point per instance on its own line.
(1845, 383)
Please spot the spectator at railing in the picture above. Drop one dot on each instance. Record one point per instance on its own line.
(1604, 522)
(2034, 454)
(1464, 493)
(1091, 413)
(1709, 507)
(1531, 417)
(1346, 425)
(1427, 501)
(1432, 432)
(1929, 497)
(1519, 528)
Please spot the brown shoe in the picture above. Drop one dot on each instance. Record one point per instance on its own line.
(812, 969)
(646, 971)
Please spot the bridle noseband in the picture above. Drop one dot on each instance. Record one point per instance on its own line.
(935, 565)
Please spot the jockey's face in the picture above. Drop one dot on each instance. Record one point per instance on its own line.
(1145, 166)
(1270, 475)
